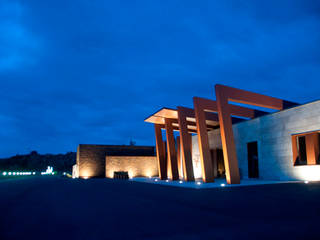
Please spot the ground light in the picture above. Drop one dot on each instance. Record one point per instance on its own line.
(198, 183)
(222, 185)
(156, 180)
(180, 181)
(167, 180)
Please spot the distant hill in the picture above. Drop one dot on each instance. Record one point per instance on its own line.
(39, 162)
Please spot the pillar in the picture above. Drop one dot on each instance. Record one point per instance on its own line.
(171, 149)
(160, 147)
(203, 142)
(227, 139)
(185, 139)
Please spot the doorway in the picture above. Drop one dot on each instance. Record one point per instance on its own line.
(253, 168)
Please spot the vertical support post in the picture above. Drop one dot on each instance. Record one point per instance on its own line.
(203, 142)
(312, 144)
(227, 139)
(185, 139)
(160, 147)
(179, 157)
(171, 148)
(295, 153)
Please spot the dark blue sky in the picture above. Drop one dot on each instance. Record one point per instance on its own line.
(86, 71)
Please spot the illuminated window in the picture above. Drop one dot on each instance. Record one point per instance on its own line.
(305, 148)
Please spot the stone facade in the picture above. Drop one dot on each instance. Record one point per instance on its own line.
(273, 134)
(136, 166)
(91, 158)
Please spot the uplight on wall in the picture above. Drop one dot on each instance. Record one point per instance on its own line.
(308, 173)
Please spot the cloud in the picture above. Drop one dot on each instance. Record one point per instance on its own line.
(19, 47)
(90, 71)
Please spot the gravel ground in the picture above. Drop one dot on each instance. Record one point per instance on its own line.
(62, 208)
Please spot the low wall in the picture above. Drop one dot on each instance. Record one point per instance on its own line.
(136, 166)
(91, 159)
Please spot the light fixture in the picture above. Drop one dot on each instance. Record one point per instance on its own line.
(198, 183)
(167, 180)
(156, 180)
(4, 173)
(306, 182)
(222, 185)
(180, 181)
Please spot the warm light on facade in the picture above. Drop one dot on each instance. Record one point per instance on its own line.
(308, 173)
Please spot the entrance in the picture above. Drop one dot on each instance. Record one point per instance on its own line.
(253, 168)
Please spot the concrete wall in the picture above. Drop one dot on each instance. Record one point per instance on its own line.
(136, 166)
(91, 158)
(273, 134)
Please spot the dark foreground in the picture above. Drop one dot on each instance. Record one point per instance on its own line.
(57, 208)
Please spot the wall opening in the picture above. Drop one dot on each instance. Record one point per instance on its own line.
(253, 167)
(306, 149)
(218, 163)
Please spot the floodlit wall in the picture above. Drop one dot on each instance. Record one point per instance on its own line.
(75, 171)
(136, 166)
(273, 134)
(91, 158)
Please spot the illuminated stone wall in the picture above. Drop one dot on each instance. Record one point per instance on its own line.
(273, 134)
(91, 159)
(136, 166)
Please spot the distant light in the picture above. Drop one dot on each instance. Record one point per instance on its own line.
(9, 173)
(64, 173)
(198, 183)
(222, 185)
(34, 173)
(167, 180)
(180, 181)
(156, 180)
(85, 177)
(13, 173)
(73, 177)
(4, 173)
(306, 182)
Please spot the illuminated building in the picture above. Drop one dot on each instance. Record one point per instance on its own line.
(95, 161)
(219, 138)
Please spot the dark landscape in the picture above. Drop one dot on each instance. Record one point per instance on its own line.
(39, 162)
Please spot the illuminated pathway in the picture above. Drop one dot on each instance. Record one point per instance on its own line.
(218, 183)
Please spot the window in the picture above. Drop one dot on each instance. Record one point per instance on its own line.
(305, 149)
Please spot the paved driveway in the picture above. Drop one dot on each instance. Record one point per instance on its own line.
(59, 208)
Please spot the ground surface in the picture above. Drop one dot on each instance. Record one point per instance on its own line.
(58, 208)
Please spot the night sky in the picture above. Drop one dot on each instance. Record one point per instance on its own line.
(89, 71)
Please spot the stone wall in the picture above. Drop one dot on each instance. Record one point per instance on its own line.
(273, 134)
(91, 158)
(136, 166)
